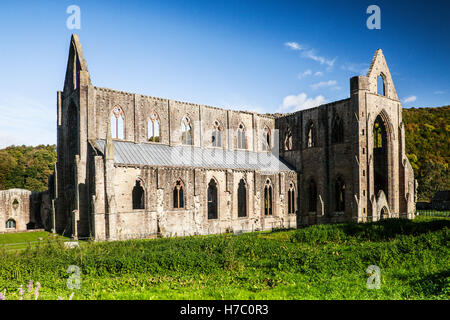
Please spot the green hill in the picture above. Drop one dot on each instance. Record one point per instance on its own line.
(427, 147)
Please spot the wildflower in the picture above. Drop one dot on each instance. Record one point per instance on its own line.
(2, 297)
(60, 298)
(71, 295)
(36, 291)
(30, 285)
(21, 292)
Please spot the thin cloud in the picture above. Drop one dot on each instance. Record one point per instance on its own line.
(305, 74)
(439, 92)
(358, 68)
(301, 102)
(409, 99)
(310, 53)
(318, 74)
(322, 84)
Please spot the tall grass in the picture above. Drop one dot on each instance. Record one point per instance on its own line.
(317, 262)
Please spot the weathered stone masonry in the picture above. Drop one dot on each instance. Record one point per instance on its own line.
(118, 181)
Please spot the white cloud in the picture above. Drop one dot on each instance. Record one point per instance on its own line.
(311, 55)
(304, 74)
(293, 45)
(358, 68)
(409, 99)
(322, 84)
(318, 74)
(301, 102)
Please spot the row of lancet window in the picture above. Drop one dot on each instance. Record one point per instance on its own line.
(337, 134)
(178, 197)
(154, 133)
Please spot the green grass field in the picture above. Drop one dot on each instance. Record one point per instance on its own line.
(317, 262)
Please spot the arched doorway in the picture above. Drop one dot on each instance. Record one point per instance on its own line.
(384, 214)
(380, 156)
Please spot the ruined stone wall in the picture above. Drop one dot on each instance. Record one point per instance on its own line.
(15, 205)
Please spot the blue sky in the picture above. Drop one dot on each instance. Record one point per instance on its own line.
(231, 54)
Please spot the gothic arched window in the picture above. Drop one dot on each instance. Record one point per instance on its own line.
(212, 200)
(241, 140)
(266, 145)
(11, 224)
(288, 140)
(117, 118)
(337, 131)
(339, 192)
(178, 194)
(381, 86)
(378, 135)
(216, 137)
(310, 135)
(242, 199)
(186, 131)
(268, 201)
(153, 128)
(291, 198)
(312, 196)
(138, 195)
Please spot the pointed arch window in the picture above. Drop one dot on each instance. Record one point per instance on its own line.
(212, 200)
(310, 135)
(178, 195)
(288, 140)
(339, 192)
(241, 139)
(11, 224)
(266, 140)
(186, 131)
(291, 198)
(242, 199)
(268, 201)
(138, 195)
(381, 86)
(117, 119)
(337, 131)
(216, 137)
(153, 128)
(312, 196)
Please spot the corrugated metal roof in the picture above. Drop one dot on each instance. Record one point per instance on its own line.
(153, 154)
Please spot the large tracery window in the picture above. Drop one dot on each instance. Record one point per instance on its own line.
(340, 195)
(153, 128)
(268, 201)
(242, 199)
(117, 128)
(138, 195)
(241, 140)
(216, 137)
(186, 131)
(178, 195)
(380, 156)
(212, 200)
(291, 198)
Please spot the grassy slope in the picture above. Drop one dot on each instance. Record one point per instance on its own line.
(318, 262)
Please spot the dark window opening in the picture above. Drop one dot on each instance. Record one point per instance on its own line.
(380, 156)
(312, 196)
(340, 195)
(212, 200)
(138, 196)
(291, 199)
(337, 133)
(178, 197)
(242, 199)
(268, 204)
